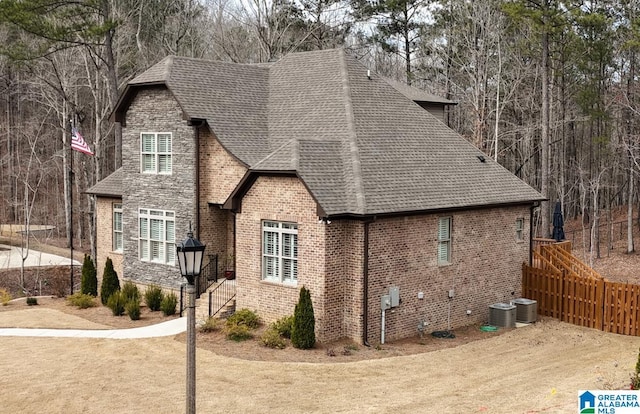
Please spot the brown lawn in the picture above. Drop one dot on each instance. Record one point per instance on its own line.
(534, 369)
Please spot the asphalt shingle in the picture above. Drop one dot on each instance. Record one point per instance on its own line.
(361, 146)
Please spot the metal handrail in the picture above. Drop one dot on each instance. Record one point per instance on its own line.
(224, 293)
(208, 276)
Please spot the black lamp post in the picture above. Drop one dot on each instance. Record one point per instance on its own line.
(190, 253)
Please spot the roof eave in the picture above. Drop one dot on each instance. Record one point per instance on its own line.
(126, 97)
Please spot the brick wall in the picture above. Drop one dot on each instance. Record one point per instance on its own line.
(155, 110)
(104, 237)
(280, 199)
(219, 174)
(485, 269)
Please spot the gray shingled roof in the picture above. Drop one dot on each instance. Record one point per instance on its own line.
(361, 146)
(418, 95)
(110, 186)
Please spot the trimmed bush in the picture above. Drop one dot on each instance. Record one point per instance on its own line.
(89, 283)
(211, 325)
(168, 304)
(153, 297)
(133, 309)
(244, 317)
(271, 338)
(31, 301)
(130, 292)
(81, 300)
(5, 297)
(303, 334)
(238, 332)
(116, 303)
(110, 282)
(284, 326)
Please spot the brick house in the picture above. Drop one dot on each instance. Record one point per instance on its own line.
(312, 171)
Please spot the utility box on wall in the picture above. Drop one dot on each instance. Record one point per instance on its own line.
(394, 293)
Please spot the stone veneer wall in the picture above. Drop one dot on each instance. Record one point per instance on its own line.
(104, 237)
(155, 110)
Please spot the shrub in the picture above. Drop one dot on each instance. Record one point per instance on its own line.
(211, 325)
(116, 303)
(133, 309)
(153, 297)
(238, 332)
(81, 300)
(244, 317)
(5, 297)
(89, 282)
(635, 378)
(131, 292)
(303, 334)
(168, 304)
(271, 338)
(110, 282)
(284, 326)
(31, 301)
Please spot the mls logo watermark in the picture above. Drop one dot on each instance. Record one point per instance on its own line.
(609, 402)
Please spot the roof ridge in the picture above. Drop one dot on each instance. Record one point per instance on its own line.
(352, 135)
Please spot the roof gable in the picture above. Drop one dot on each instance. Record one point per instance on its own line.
(360, 145)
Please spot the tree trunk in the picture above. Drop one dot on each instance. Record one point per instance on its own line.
(544, 136)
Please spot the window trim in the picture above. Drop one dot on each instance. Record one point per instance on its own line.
(278, 257)
(445, 240)
(116, 209)
(168, 246)
(520, 229)
(156, 154)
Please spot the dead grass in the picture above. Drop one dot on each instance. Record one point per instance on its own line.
(536, 369)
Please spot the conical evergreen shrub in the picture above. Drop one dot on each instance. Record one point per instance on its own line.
(89, 283)
(303, 334)
(110, 282)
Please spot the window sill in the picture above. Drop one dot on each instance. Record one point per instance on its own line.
(278, 283)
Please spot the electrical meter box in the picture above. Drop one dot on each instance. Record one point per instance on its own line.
(385, 302)
(394, 293)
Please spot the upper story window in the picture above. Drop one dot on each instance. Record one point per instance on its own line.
(157, 236)
(444, 240)
(280, 252)
(155, 152)
(117, 227)
(520, 229)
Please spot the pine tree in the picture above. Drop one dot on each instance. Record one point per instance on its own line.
(303, 333)
(110, 282)
(89, 284)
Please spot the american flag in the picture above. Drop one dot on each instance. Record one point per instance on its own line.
(78, 143)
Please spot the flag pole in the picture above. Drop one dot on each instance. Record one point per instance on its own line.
(71, 205)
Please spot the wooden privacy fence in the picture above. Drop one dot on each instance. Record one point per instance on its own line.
(565, 290)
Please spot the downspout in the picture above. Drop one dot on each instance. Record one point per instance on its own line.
(533, 206)
(365, 287)
(196, 127)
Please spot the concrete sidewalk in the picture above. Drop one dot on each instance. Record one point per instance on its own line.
(11, 257)
(168, 328)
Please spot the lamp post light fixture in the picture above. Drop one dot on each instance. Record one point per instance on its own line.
(190, 253)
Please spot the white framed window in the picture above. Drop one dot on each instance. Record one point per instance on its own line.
(280, 252)
(519, 229)
(444, 240)
(117, 227)
(157, 236)
(155, 152)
